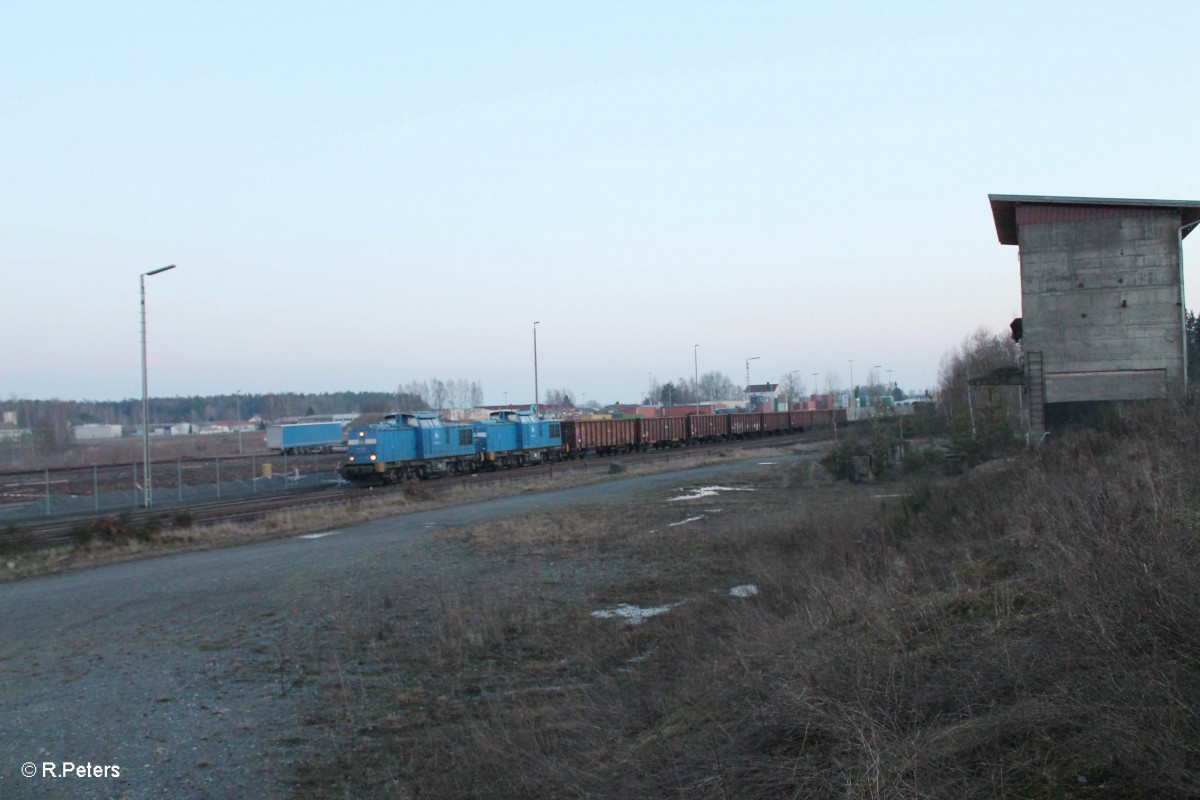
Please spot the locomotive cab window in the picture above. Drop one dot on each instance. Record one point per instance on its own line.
(555, 429)
(465, 437)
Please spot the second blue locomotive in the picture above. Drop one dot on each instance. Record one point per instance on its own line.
(408, 446)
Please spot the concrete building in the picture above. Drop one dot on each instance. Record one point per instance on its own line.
(1101, 298)
(93, 432)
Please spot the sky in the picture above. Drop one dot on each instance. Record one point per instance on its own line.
(358, 195)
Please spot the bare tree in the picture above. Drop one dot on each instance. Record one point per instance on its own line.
(980, 353)
(793, 386)
(653, 392)
(558, 397)
(717, 385)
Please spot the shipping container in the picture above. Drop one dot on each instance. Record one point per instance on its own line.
(305, 437)
(685, 411)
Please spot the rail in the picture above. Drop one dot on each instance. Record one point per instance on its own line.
(71, 528)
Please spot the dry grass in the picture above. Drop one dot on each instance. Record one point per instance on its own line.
(1024, 631)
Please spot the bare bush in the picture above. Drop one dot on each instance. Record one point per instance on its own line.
(1025, 630)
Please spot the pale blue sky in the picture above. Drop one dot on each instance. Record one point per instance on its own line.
(362, 194)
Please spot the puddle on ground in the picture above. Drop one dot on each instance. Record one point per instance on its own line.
(321, 535)
(631, 614)
(709, 491)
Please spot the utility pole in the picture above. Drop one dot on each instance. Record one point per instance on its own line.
(748, 360)
(535, 368)
(146, 492)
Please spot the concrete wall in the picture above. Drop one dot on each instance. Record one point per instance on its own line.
(1102, 302)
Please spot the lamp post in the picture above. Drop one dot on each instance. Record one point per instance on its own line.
(748, 360)
(814, 394)
(239, 419)
(535, 370)
(853, 401)
(696, 374)
(147, 494)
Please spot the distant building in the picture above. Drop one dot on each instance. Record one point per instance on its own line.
(91, 433)
(766, 397)
(1102, 315)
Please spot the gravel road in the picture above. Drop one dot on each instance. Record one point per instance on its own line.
(173, 671)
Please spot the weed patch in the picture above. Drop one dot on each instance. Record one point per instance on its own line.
(1025, 630)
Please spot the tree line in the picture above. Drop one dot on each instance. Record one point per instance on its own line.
(711, 386)
(206, 409)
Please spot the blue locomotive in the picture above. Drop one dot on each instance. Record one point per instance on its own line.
(407, 446)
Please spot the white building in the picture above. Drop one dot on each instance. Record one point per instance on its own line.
(89, 433)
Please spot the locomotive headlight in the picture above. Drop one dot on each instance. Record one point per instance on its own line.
(351, 458)
(372, 456)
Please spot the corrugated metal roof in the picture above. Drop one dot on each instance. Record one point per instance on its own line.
(1034, 208)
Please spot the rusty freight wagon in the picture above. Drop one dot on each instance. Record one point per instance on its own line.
(800, 420)
(742, 425)
(708, 427)
(823, 420)
(775, 422)
(601, 436)
(662, 432)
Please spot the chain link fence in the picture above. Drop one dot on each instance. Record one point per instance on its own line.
(174, 484)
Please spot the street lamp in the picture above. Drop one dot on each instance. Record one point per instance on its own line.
(146, 493)
(535, 370)
(852, 398)
(748, 360)
(696, 378)
(238, 394)
(791, 385)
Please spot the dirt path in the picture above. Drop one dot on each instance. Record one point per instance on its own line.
(176, 671)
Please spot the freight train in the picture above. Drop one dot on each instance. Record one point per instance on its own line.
(418, 446)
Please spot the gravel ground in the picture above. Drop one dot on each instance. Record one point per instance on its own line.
(177, 670)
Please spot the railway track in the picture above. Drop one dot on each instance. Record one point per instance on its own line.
(71, 529)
